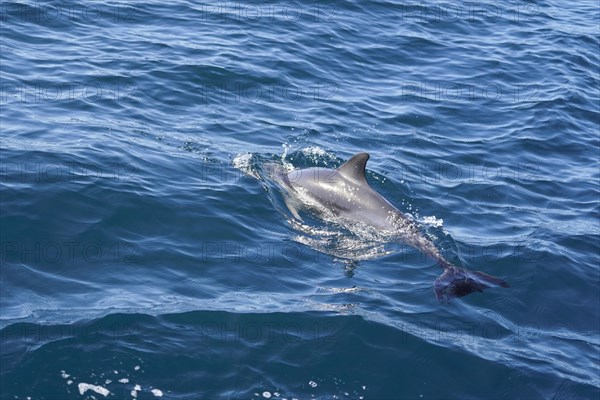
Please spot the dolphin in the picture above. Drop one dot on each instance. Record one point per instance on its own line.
(346, 193)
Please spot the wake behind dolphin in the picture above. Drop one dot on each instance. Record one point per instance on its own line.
(346, 193)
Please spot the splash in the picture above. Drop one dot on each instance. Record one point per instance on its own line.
(243, 162)
(314, 151)
(432, 221)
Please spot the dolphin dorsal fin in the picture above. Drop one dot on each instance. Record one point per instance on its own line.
(354, 168)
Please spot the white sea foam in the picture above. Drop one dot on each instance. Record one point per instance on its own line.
(84, 387)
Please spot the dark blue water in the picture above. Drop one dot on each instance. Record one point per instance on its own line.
(145, 253)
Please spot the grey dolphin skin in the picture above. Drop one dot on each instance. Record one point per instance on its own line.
(346, 193)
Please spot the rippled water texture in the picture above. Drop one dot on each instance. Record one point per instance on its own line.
(145, 251)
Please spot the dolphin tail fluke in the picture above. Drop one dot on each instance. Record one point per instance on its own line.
(455, 282)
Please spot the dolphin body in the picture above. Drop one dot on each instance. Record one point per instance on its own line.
(346, 193)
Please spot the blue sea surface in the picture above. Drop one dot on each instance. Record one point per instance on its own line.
(145, 252)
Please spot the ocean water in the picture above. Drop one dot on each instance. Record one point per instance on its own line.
(146, 253)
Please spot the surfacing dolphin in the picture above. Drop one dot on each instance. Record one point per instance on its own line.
(346, 192)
